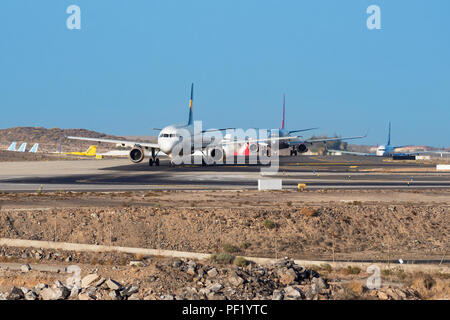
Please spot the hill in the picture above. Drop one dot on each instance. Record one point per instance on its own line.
(50, 140)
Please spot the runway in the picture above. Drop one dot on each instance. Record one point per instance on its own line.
(317, 172)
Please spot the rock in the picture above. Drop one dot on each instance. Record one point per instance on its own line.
(177, 263)
(191, 271)
(292, 293)
(320, 284)
(87, 280)
(287, 276)
(167, 297)
(114, 295)
(85, 296)
(37, 289)
(235, 280)
(192, 264)
(15, 294)
(212, 273)
(100, 282)
(74, 292)
(58, 293)
(30, 295)
(204, 291)
(25, 268)
(137, 263)
(113, 285)
(277, 295)
(215, 287)
(134, 296)
(129, 290)
(47, 294)
(382, 295)
(215, 296)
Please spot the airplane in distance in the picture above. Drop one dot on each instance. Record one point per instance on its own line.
(297, 144)
(387, 150)
(90, 152)
(12, 147)
(34, 148)
(22, 147)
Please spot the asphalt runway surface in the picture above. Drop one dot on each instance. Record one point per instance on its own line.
(317, 172)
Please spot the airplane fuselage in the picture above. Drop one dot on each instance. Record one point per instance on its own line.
(385, 151)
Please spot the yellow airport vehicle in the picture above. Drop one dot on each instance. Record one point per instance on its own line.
(90, 152)
(301, 186)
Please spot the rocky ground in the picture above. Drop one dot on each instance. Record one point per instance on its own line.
(154, 278)
(341, 225)
(271, 228)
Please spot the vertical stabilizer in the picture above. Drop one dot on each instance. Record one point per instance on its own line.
(389, 135)
(282, 116)
(191, 102)
(22, 147)
(12, 147)
(34, 148)
(91, 151)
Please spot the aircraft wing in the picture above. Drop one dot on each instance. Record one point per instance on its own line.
(122, 142)
(261, 141)
(301, 130)
(353, 152)
(311, 141)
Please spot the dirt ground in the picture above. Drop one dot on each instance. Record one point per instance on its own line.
(341, 225)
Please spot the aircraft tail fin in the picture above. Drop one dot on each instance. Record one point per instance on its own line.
(282, 116)
(12, 147)
(389, 135)
(34, 148)
(22, 147)
(91, 151)
(191, 101)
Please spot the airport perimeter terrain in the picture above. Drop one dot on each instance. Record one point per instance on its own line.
(199, 221)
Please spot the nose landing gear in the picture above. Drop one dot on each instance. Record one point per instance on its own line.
(293, 152)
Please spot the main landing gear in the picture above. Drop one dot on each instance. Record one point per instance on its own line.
(294, 152)
(153, 161)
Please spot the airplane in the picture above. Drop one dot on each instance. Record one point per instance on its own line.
(12, 147)
(296, 143)
(22, 147)
(34, 148)
(386, 150)
(170, 138)
(90, 152)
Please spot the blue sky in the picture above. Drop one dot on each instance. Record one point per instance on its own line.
(130, 66)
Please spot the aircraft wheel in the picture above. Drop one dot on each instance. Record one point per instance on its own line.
(295, 152)
(157, 161)
(291, 152)
(150, 162)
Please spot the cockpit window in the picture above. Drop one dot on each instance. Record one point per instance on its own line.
(168, 135)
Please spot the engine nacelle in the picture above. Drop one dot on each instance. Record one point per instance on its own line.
(136, 154)
(302, 148)
(216, 154)
(253, 147)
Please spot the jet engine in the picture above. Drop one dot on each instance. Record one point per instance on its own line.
(253, 148)
(136, 154)
(216, 154)
(302, 148)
